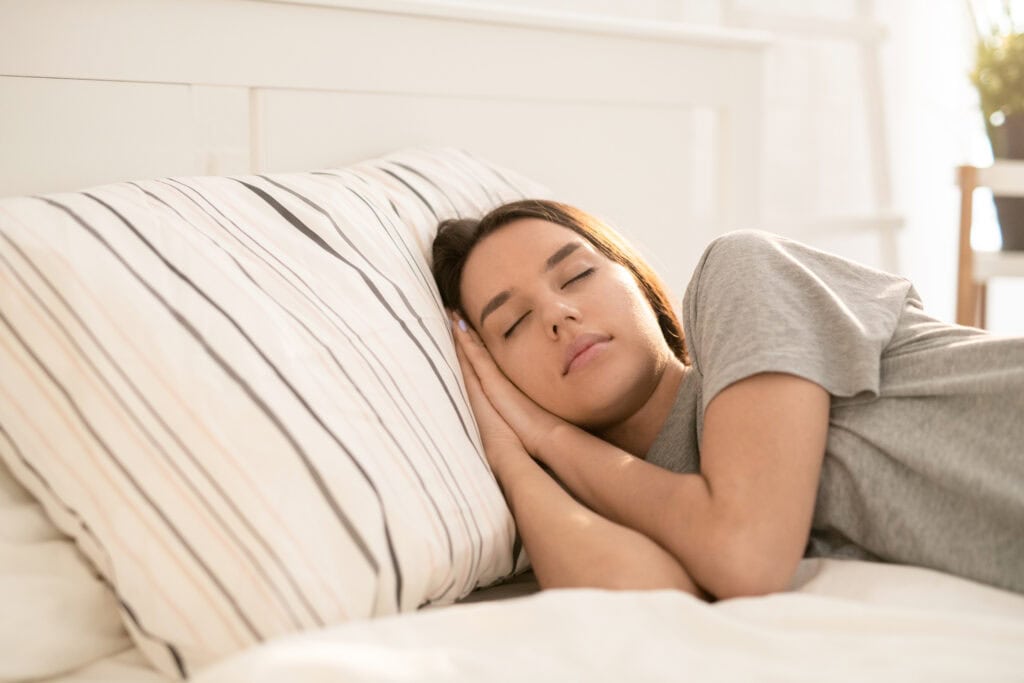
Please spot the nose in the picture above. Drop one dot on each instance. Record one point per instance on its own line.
(557, 316)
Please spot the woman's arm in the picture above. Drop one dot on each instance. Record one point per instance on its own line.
(571, 546)
(741, 525)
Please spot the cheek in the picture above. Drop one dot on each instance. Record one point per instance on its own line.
(623, 303)
(509, 363)
(520, 368)
(623, 290)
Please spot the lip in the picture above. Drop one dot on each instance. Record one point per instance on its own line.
(580, 344)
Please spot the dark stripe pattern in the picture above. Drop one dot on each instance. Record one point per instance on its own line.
(243, 392)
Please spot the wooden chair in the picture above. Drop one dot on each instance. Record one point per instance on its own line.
(976, 268)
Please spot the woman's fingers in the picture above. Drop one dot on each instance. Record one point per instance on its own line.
(530, 422)
(470, 333)
(476, 353)
(468, 373)
(495, 432)
(493, 381)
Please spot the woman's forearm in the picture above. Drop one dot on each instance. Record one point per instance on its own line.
(673, 509)
(570, 545)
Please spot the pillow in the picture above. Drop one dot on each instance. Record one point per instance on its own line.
(48, 590)
(240, 396)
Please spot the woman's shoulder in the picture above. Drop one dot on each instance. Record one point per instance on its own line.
(758, 258)
(746, 254)
(761, 302)
(754, 278)
(742, 241)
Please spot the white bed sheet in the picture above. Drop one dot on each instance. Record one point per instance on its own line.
(126, 666)
(842, 620)
(845, 620)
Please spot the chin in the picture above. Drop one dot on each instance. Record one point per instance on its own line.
(615, 396)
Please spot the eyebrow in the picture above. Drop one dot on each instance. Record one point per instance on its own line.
(505, 295)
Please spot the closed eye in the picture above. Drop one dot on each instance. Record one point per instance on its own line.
(582, 275)
(508, 332)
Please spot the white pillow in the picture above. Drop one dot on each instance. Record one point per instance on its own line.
(57, 614)
(240, 396)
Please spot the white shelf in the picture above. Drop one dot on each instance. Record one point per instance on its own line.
(989, 264)
(1004, 178)
(975, 268)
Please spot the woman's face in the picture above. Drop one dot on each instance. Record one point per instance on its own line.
(539, 288)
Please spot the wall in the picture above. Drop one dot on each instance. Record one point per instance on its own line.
(816, 160)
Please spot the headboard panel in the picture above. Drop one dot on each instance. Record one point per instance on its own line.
(652, 126)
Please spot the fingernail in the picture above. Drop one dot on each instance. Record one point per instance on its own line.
(462, 324)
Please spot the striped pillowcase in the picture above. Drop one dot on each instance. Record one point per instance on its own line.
(240, 396)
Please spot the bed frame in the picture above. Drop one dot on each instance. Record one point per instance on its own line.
(653, 126)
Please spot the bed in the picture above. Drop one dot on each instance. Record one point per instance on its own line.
(233, 446)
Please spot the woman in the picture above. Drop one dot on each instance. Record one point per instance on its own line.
(806, 406)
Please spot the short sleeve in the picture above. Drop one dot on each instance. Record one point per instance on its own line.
(759, 302)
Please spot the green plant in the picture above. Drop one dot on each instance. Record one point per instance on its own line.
(999, 75)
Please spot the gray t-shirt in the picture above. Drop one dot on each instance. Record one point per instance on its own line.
(924, 462)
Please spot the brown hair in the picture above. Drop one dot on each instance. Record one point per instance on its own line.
(456, 238)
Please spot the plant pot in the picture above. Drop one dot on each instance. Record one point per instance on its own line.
(1010, 210)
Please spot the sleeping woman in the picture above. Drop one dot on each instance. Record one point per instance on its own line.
(805, 406)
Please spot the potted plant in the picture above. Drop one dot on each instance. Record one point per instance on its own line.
(998, 75)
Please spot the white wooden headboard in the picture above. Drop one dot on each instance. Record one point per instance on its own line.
(654, 127)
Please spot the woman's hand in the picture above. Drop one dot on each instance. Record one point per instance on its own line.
(528, 421)
(500, 442)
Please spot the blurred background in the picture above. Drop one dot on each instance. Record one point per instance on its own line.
(869, 109)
